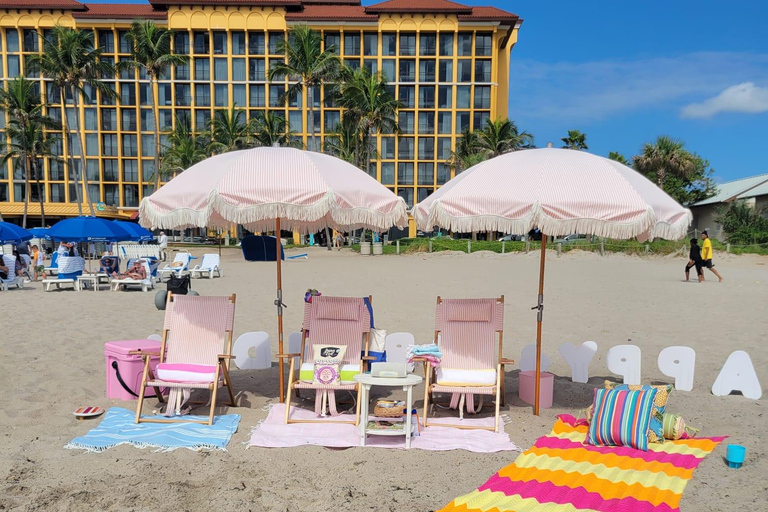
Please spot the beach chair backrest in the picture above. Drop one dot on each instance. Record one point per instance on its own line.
(336, 321)
(54, 260)
(10, 262)
(210, 261)
(183, 258)
(198, 329)
(468, 330)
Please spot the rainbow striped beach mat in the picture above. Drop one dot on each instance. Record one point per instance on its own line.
(561, 473)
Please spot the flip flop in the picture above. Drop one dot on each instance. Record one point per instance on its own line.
(88, 412)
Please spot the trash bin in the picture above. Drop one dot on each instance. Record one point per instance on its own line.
(365, 248)
(124, 370)
(527, 388)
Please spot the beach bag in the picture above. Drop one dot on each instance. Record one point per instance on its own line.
(179, 285)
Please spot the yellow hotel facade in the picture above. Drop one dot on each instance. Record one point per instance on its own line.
(447, 63)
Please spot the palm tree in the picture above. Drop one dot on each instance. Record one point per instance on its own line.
(575, 140)
(25, 131)
(182, 150)
(270, 129)
(151, 51)
(371, 105)
(307, 66)
(618, 157)
(230, 130)
(70, 62)
(663, 157)
(467, 153)
(342, 142)
(502, 136)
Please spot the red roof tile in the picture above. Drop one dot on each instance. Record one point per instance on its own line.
(489, 13)
(419, 6)
(227, 2)
(41, 4)
(121, 11)
(331, 12)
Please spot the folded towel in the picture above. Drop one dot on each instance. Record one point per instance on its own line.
(419, 350)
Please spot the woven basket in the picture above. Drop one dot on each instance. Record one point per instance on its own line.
(393, 411)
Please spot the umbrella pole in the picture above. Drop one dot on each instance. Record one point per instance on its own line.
(279, 304)
(539, 314)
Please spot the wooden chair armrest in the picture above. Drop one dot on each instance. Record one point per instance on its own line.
(368, 358)
(504, 361)
(418, 359)
(287, 356)
(225, 356)
(143, 353)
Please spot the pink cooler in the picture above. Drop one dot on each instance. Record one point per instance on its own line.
(527, 388)
(128, 368)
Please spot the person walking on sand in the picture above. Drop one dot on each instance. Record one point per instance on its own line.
(695, 261)
(706, 255)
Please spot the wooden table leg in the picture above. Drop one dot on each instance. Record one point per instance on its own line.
(409, 405)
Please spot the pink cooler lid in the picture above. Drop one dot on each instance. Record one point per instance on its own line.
(123, 347)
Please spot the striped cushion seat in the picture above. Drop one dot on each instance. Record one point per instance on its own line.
(312, 385)
(480, 390)
(183, 372)
(192, 385)
(621, 418)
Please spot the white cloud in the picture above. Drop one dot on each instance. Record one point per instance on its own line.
(596, 90)
(746, 98)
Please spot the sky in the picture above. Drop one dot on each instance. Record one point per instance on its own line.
(626, 72)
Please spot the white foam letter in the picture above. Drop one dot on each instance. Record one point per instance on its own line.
(738, 374)
(680, 363)
(252, 352)
(625, 361)
(528, 359)
(578, 358)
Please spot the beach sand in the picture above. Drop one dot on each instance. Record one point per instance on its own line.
(53, 362)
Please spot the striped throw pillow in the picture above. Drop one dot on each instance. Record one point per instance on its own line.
(621, 418)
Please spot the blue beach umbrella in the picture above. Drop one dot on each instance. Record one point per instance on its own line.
(39, 233)
(137, 232)
(13, 234)
(88, 229)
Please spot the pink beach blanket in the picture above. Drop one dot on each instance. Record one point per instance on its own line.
(274, 433)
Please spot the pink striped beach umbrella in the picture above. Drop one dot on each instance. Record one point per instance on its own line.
(274, 188)
(558, 192)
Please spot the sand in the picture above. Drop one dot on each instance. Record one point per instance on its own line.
(52, 362)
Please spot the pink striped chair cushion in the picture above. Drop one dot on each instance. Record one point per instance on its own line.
(467, 341)
(197, 328)
(337, 310)
(353, 320)
(177, 372)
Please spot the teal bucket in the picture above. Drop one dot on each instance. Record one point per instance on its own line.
(735, 454)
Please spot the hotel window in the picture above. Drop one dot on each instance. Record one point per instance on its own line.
(182, 72)
(131, 195)
(109, 119)
(14, 66)
(317, 126)
(147, 118)
(128, 94)
(372, 65)
(483, 44)
(445, 73)
(462, 122)
(388, 147)
(256, 43)
(275, 40)
(426, 96)
(275, 93)
(446, 44)
(111, 195)
(427, 44)
(202, 118)
(202, 95)
(294, 121)
(332, 120)
(220, 70)
(482, 71)
(407, 194)
(426, 149)
(147, 174)
(256, 69)
(57, 193)
(370, 43)
(480, 120)
(408, 44)
(405, 148)
(423, 193)
(127, 73)
(408, 96)
(444, 122)
(181, 43)
(219, 43)
(463, 96)
(164, 95)
(389, 44)
(238, 43)
(238, 95)
(147, 145)
(482, 96)
(426, 70)
(130, 170)
(352, 44)
(129, 119)
(92, 144)
(11, 40)
(202, 69)
(257, 98)
(333, 42)
(130, 145)
(388, 173)
(426, 173)
(387, 69)
(183, 95)
(166, 119)
(53, 94)
(57, 170)
(221, 95)
(352, 63)
(238, 70)
(1, 64)
(201, 42)
(91, 119)
(405, 173)
(107, 41)
(125, 44)
(464, 70)
(111, 170)
(427, 122)
(465, 43)
(407, 70)
(443, 174)
(444, 96)
(109, 144)
(443, 148)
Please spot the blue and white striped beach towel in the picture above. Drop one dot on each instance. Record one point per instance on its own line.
(118, 428)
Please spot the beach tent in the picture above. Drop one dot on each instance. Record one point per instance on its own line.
(558, 191)
(274, 188)
(260, 248)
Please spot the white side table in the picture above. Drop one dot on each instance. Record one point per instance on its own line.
(91, 279)
(366, 382)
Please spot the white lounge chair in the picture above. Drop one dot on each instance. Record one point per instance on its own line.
(69, 268)
(210, 265)
(145, 284)
(53, 268)
(13, 279)
(179, 265)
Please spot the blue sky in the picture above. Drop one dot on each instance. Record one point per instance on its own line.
(626, 72)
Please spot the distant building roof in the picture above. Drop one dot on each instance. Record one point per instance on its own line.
(419, 6)
(42, 4)
(738, 189)
(121, 11)
(331, 12)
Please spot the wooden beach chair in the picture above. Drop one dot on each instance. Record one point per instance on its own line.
(195, 350)
(331, 321)
(469, 333)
